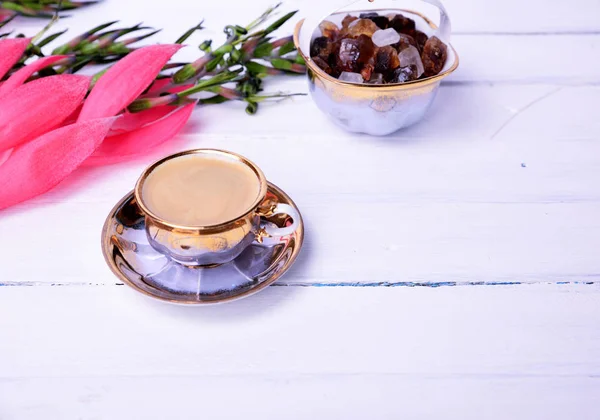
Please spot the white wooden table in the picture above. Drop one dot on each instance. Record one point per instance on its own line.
(449, 271)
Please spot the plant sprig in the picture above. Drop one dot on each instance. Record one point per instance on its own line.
(247, 57)
(99, 45)
(233, 71)
(38, 8)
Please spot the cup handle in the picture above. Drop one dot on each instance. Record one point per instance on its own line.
(277, 232)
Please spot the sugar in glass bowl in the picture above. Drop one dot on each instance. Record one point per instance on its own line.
(376, 109)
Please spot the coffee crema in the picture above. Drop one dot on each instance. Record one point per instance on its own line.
(200, 190)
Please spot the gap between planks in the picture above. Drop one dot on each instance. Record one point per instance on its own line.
(384, 284)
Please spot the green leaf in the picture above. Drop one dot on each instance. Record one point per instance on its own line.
(213, 100)
(189, 32)
(281, 64)
(256, 68)
(50, 38)
(263, 50)
(286, 49)
(279, 22)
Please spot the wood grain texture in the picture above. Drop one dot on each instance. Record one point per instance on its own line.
(464, 352)
(467, 330)
(393, 309)
(298, 397)
(484, 59)
(509, 16)
(487, 189)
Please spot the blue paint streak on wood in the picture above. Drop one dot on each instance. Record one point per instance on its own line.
(397, 284)
(337, 284)
(429, 285)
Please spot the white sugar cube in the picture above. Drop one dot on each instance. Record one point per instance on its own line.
(411, 56)
(351, 77)
(384, 37)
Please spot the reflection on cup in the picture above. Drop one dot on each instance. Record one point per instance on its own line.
(204, 206)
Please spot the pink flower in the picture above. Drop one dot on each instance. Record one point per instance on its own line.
(38, 107)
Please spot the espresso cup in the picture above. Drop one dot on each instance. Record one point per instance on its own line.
(205, 244)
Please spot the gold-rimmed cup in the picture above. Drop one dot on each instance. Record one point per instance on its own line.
(367, 108)
(206, 245)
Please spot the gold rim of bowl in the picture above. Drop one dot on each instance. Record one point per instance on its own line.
(224, 153)
(390, 86)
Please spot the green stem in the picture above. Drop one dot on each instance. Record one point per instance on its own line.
(203, 85)
(189, 32)
(45, 29)
(262, 18)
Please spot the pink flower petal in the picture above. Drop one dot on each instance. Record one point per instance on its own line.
(130, 122)
(179, 88)
(4, 156)
(21, 76)
(38, 107)
(123, 146)
(11, 51)
(5, 14)
(126, 80)
(38, 166)
(71, 119)
(159, 85)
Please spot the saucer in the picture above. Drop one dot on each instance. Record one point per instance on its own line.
(132, 259)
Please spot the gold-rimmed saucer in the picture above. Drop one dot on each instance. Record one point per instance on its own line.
(132, 259)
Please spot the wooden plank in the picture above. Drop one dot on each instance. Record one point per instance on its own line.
(498, 185)
(511, 352)
(542, 53)
(527, 59)
(496, 330)
(354, 239)
(509, 16)
(532, 60)
(485, 144)
(514, 16)
(495, 192)
(300, 397)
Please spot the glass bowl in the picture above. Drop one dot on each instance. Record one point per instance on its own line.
(375, 109)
